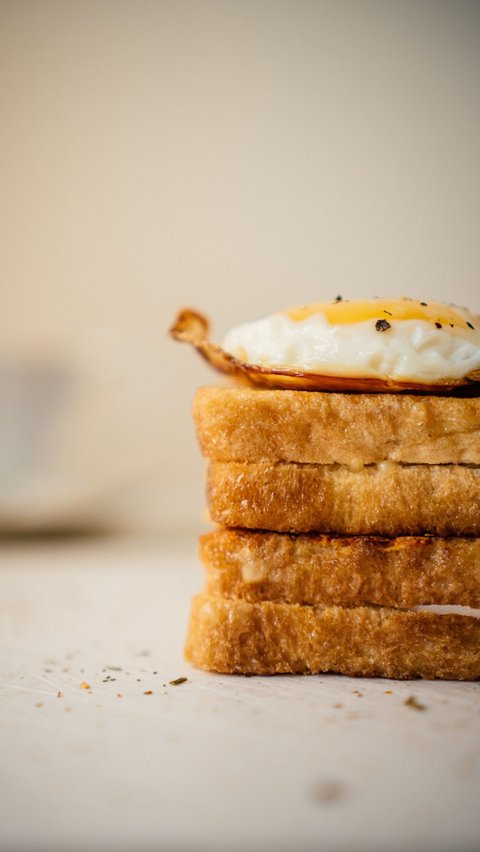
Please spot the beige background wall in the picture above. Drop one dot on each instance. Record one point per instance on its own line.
(237, 156)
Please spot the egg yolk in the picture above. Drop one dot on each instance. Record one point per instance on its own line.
(343, 312)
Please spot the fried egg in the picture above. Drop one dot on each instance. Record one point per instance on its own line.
(400, 340)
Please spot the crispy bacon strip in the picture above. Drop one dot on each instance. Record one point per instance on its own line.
(193, 327)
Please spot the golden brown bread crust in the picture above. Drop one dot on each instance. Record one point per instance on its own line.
(387, 499)
(271, 638)
(315, 569)
(242, 424)
(291, 461)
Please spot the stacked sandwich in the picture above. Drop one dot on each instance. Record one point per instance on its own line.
(346, 518)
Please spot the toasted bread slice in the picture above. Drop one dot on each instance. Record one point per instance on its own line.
(315, 569)
(243, 424)
(387, 499)
(274, 638)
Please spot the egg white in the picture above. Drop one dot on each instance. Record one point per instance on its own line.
(409, 350)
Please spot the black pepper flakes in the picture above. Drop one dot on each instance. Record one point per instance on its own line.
(382, 325)
(415, 704)
(339, 298)
(438, 324)
(424, 304)
(178, 681)
(388, 312)
(470, 325)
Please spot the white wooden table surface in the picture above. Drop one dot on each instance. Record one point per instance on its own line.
(215, 763)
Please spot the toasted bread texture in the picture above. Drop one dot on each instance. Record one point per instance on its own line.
(243, 424)
(315, 569)
(387, 499)
(236, 636)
